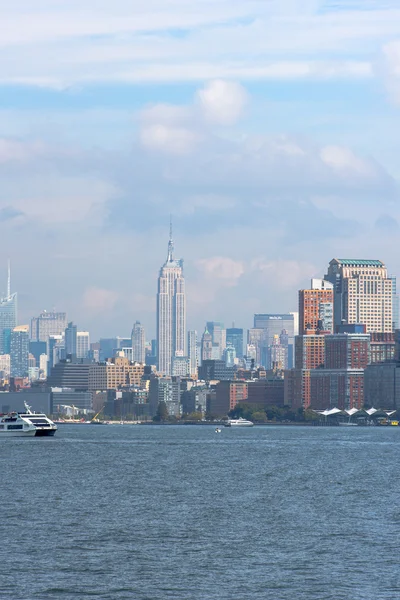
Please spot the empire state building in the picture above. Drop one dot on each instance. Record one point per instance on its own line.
(171, 312)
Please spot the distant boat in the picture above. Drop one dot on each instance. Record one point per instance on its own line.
(239, 423)
(347, 424)
(218, 430)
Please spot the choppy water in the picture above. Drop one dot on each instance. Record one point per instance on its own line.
(181, 513)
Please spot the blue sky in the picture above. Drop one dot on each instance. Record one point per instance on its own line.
(268, 128)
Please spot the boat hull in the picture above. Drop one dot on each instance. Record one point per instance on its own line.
(45, 432)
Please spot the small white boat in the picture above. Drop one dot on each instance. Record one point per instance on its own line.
(239, 423)
(14, 425)
(218, 430)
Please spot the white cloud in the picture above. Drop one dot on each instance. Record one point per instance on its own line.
(281, 273)
(391, 69)
(221, 268)
(58, 46)
(99, 300)
(343, 161)
(168, 138)
(222, 102)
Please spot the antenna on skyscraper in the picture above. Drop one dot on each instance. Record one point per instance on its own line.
(9, 280)
(170, 243)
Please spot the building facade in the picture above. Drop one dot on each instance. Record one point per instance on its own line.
(316, 308)
(138, 343)
(82, 344)
(363, 293)
(234, 337)
(8, 317)
(48, 324)
(19, 351)
(171, 312)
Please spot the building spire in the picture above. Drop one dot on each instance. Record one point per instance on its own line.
(9, 280)
(171, 242)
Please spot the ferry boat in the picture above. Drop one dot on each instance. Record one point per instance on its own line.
(14, 425)
(239, 423)
(43, 425)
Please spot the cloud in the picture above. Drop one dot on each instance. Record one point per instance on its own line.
(7, 213)
(390, 68)
(284, 274)
(222, 102)
(221, 268)
(67, 45)
(99, 300)
(168, 138)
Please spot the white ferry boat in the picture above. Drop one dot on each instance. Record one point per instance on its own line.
(239, 423)
(14, 425)
(42, 424)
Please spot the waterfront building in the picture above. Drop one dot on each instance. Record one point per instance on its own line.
(382, 386)
(19, 352)
(48, 324)
(138, 343)
(228, 395)
(382, 347)
(8, 316)
(168, 390)
(234, 337)
(309, 351)
(171, 312)
(316, 308)
(266, 392)
(347, 351)
(82, 344)
(363, 293)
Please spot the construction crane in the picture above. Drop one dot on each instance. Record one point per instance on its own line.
(95, 419)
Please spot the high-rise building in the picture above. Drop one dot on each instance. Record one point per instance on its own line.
(193, 351)
(229, 355)
(4, 365)
(82, 344)
(8, 314)
(363, 293)
(273, 324)
(138, 343)
(316, 307)
(218, 335)
(71, 333)
(234, 337)
(48, 324)
(171, 312)
(19, 354)
(206, 346)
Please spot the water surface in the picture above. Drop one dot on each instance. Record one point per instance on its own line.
(179, 512)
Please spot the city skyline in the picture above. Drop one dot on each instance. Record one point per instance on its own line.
(150, 325)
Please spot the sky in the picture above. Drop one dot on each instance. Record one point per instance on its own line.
(269, 129)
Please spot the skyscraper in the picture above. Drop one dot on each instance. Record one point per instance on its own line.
(218, 334)
(193, 351)
(48, 324)
(82, 344)
(138, 343)
(8, 312)
(206, 345)
(70, 339)
(316, 308)
(19, 355)
(171, 312)
(363, 293)
(234, 337)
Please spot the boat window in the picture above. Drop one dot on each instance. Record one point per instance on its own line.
(15, 427)
(1, 426)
